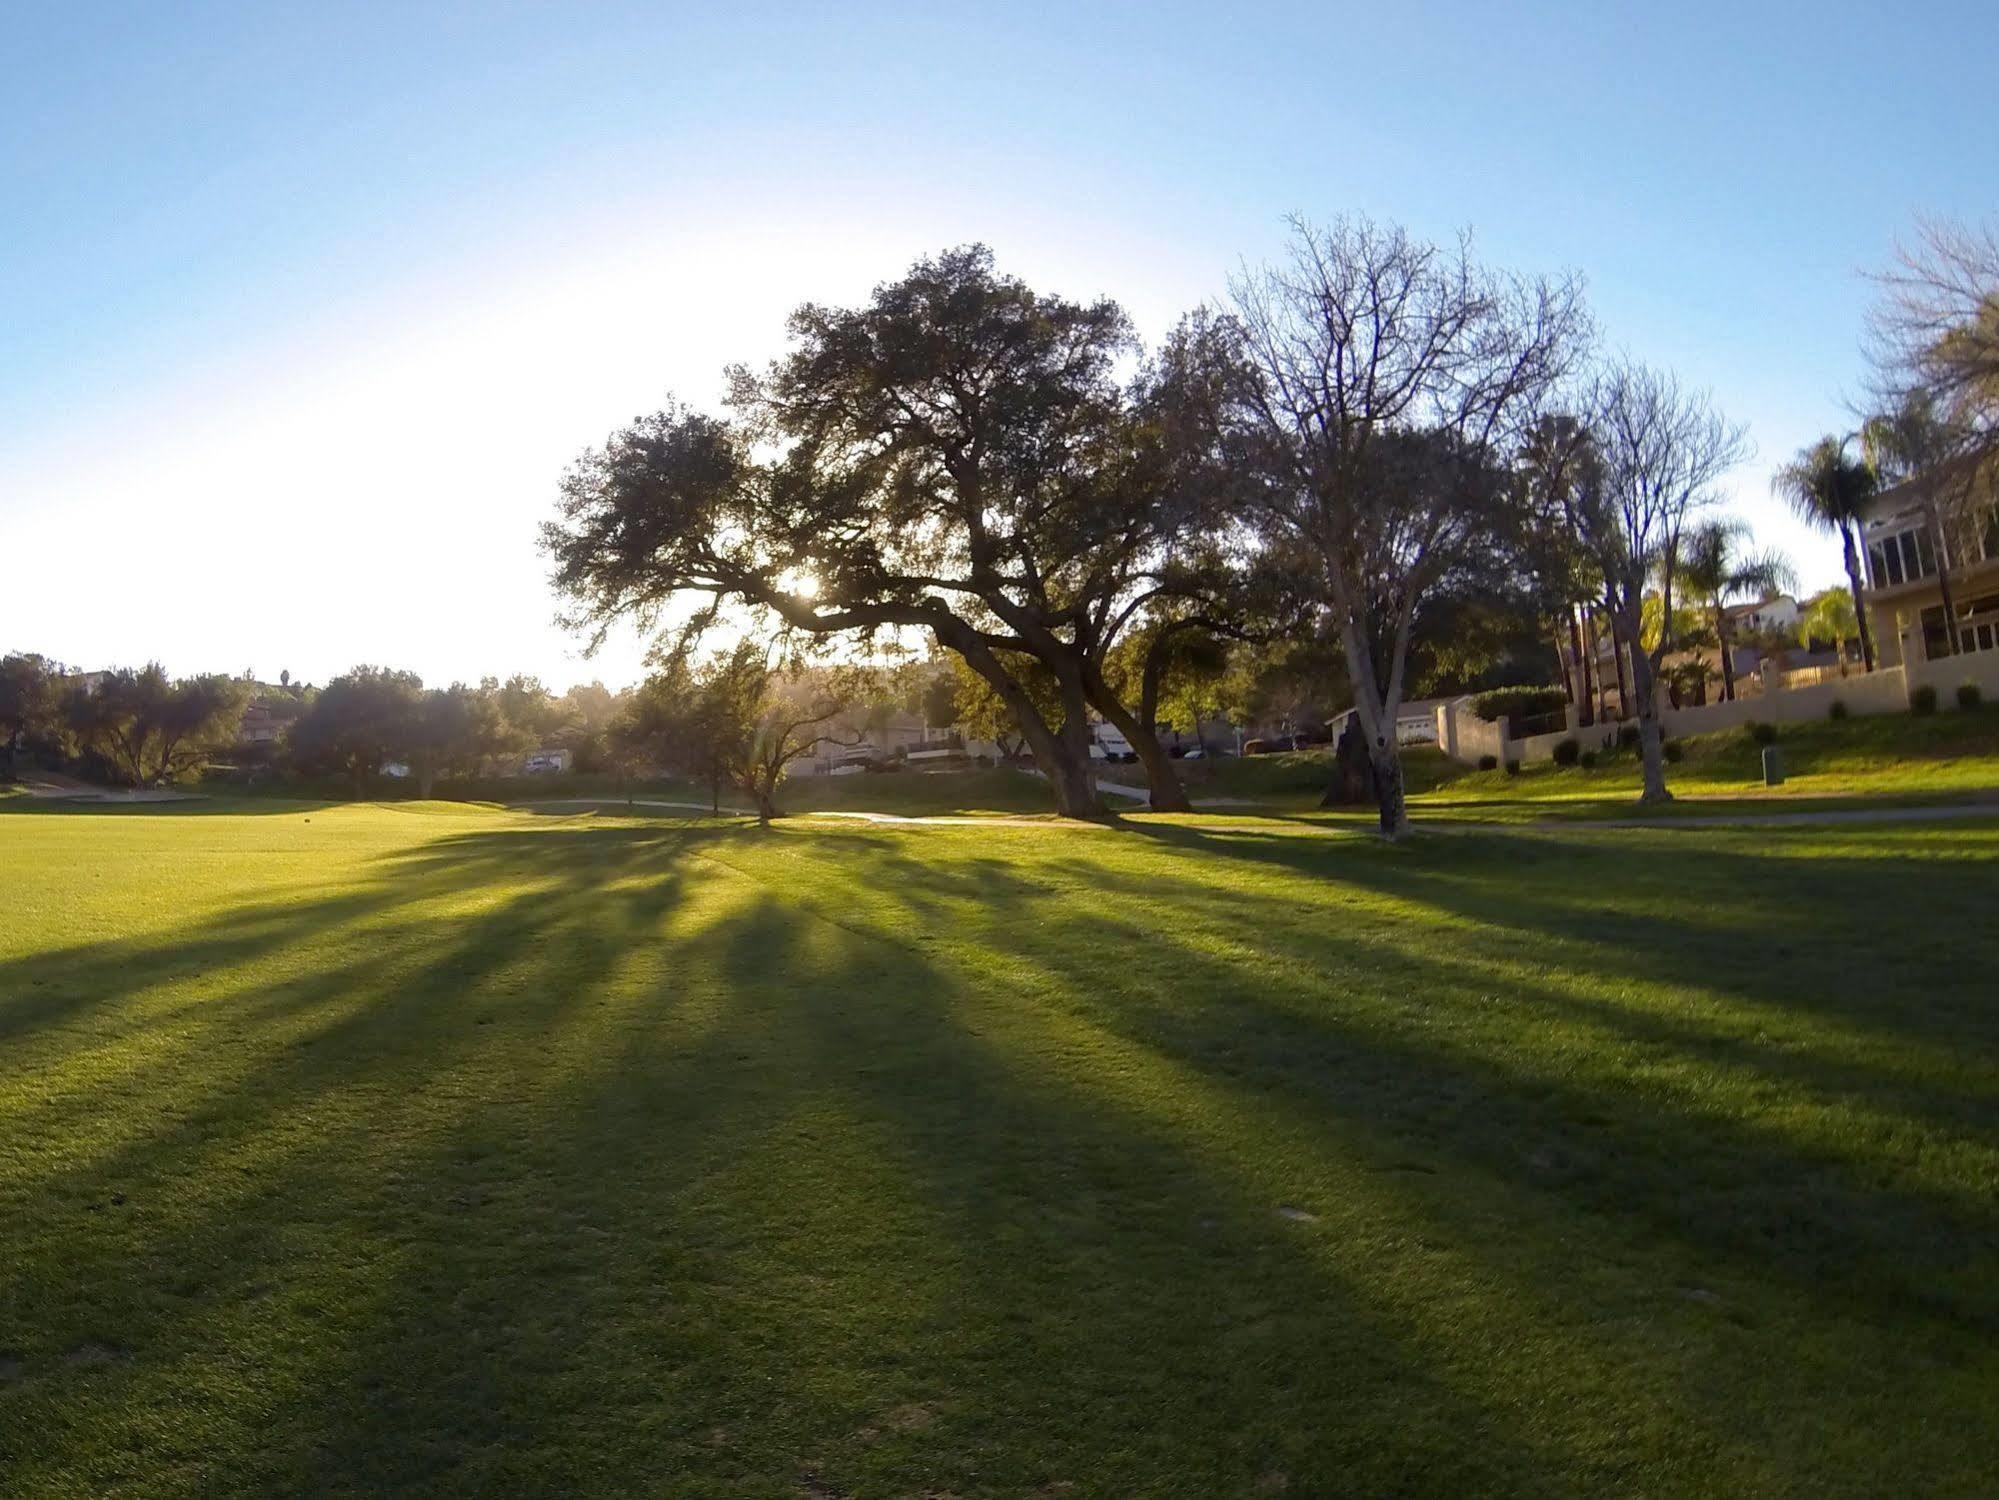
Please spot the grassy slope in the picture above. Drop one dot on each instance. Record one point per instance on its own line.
(361, 1149)
(1885, 758)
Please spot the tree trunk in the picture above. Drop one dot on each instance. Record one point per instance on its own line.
(1592, 670)
(1859, 606)
(1727, 665)
(1162, 781)
(425, 780)
(1585, 709)
(1055, 754)
(1617, 655)
(1376, 712)
(763, 792)
(1651, 735)
(1353, 782)
(1388, 791)
(1071, 742)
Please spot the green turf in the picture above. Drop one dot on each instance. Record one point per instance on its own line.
(1882, 760)
(919, 793)
(375, 1150)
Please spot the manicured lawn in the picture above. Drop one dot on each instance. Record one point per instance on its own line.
(919, 793)
(428, 1149)
(1880, 760)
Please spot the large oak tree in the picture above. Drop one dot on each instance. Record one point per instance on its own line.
(958, 455)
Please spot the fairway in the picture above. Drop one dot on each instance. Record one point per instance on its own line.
(454, 1150)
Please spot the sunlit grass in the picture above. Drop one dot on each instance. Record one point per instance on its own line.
(432, 1148)
(1885, 759)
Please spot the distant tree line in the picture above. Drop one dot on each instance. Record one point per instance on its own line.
(142, 728)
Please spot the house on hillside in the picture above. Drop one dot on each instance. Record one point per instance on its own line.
(1750, 628)
(1907, 552)
(1415, 722)
(259, 725)
(857, 738)
(1777, 614)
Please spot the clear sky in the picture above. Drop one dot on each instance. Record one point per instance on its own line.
(303, 308)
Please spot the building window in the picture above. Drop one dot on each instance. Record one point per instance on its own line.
(1903, 557)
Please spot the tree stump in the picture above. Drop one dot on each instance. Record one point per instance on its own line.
(1353, 769)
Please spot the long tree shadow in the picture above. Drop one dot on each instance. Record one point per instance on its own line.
(591, 1159)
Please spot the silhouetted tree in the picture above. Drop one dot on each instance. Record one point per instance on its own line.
(956, 456)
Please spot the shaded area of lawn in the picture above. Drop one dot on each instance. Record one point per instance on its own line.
(479, 1154)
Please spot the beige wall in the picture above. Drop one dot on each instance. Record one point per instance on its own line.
(1465, 737)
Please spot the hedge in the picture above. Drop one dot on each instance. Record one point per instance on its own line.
(1518, 703)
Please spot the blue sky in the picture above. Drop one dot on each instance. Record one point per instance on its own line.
(304, 308)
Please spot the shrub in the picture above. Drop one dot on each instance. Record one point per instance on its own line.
(1968, 695)
(1760, 733)
(1488, 763)
(1518, 703)
(1837, 710)
(1627, 736)
(1588, 759)
(1513, 768)
(1674, 751)
(1923, 700)
(1567, 752)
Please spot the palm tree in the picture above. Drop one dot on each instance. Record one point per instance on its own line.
(1830, 491)
(1828, 616)
(1714, 568)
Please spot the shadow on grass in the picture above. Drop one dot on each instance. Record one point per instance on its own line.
(718, 1161)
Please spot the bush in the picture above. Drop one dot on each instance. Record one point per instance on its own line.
(1488, 763)
(1923, 700)
(1567, 752)
(1837, 710)
(1674, 751)
(1627, 736)
(1513, 768)
(1518, 703)
(1760, 733)
(1588, 759)
(1968, 695)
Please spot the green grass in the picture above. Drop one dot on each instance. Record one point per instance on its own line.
(430, 1149)
(919, 793)
(1881, 760)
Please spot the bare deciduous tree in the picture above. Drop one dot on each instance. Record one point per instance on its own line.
(1935, 335)
(1649, 456)
(1390, 380)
